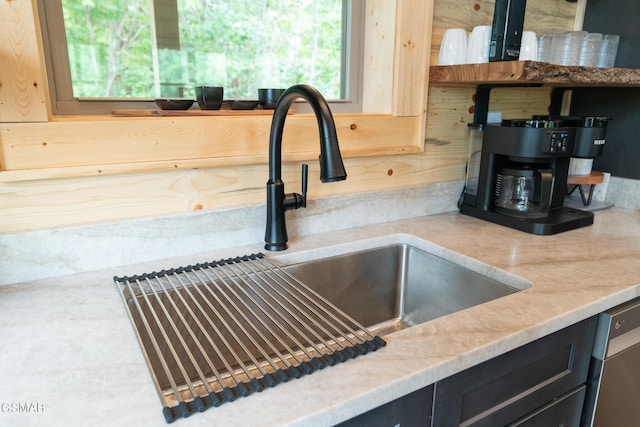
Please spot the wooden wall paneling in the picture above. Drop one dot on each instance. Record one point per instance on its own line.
(578, 21)
(450, 109)
(379, 45)
(411, 74)
(94, 146)
(398, 29)
(118, 145)
(515, 103)
(42, 203)
(550, 16)
(30, 205)
(23, 84)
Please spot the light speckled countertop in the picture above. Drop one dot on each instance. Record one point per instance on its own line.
(68, 346)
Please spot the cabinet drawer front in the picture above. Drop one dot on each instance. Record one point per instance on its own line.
(412, 410)
(503, 390)
(566, 411)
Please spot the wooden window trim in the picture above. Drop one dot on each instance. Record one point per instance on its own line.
(35, 144)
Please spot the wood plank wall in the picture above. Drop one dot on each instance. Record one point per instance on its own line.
(50, 203)
(19, 81)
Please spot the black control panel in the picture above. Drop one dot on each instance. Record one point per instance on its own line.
(556, 143)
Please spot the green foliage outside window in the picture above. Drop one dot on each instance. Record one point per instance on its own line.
(239, 44)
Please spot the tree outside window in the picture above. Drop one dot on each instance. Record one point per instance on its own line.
(163, 48)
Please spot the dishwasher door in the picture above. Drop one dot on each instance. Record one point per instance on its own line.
(614, 396)
(619, 397)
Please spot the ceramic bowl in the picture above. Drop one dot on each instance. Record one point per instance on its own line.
(174, 104)
(243, 104)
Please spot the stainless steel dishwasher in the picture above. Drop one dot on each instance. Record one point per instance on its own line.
(614, 396)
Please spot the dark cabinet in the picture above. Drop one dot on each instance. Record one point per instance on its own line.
(564, 411)
(535, 384)
(539, 384)
(412, 410)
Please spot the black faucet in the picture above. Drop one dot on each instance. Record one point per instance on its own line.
(331, 166)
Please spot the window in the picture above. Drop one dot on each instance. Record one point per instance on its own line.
(125, 53)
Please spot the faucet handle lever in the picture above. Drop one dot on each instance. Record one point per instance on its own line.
(305, 178)
(295, 200)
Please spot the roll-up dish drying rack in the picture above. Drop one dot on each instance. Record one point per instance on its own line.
(213, 332)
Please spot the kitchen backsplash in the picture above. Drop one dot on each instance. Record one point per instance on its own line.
(624, 193)
(58, 252)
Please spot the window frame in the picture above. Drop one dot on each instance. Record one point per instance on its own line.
(37, 145)
(63, 101)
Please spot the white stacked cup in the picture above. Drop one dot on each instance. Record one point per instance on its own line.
(453, 48)
(478, 45)
(580, 166)
(529, 46)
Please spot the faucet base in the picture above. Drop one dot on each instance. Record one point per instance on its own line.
(274, 247)
(275, 236)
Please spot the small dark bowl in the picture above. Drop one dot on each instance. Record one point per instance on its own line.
(174, 104)
(209, 97)
(243, 105)
(268, 98)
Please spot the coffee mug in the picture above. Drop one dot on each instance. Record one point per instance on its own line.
(209, 97)
(529, 46)
(478, 45)
(453, 49)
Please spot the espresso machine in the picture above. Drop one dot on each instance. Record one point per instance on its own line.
(521, 174)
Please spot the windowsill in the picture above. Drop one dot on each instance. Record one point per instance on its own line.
(105, 106)
(73, 146)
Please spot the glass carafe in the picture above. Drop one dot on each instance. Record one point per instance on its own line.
(523, 191)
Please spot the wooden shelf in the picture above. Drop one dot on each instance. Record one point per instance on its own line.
(192, 112)
(595, 177)
(577, 181)
(531, 72)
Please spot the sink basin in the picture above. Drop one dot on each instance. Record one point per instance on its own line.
(399, 285)
(216, 331)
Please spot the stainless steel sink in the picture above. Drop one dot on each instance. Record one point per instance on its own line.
(396, 286)
(216, 331)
